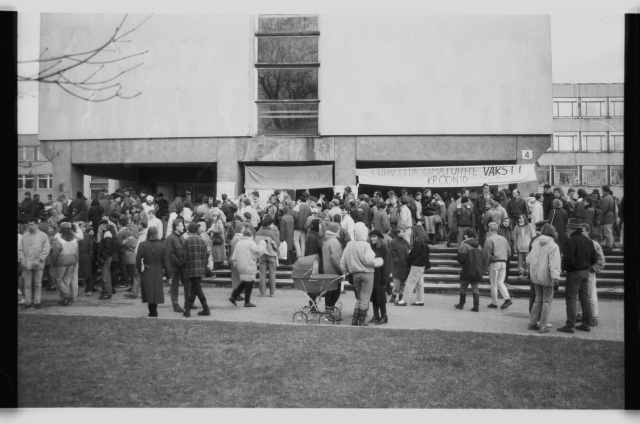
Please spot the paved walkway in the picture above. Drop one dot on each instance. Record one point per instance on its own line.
(437, 314)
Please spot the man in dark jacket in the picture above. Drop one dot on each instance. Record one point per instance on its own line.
(547, 200)
(607, 206)
(364, 206)
(194, 261)
(474, 261)
(464, 217)
(380, 279)
(105, 254)
(173, 264)
(77, 206)
(27, 207)
(516, 206)
(579, 254)
(38, 208)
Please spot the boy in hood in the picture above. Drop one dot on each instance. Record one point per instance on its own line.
(474, 261)
(358, 260)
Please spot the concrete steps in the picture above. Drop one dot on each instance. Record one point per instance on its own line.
(443, 276)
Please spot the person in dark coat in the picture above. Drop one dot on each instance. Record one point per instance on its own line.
(607, 206)
(547, 199)
(78, 206)
(418, 260)
(380, 279)
(85, 261)
(558, 217)
(287, 224)
(151, 256)
(173, 264)
(313, 245)
(95, 214)
(474, 261)
(516, 207)
(399, 250)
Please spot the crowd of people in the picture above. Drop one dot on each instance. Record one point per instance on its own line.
(135, 241)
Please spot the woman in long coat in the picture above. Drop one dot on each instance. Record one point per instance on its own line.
(380, 279)
(558, 217)
(217, 250)
(151, 254)
(85, 262)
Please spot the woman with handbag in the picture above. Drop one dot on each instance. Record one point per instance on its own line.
(216, 232)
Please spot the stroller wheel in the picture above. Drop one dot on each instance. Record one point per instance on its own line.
(300, 318)
(335, 312)
(326, 318)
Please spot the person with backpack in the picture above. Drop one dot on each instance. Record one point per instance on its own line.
(418, 259)
(474, 261)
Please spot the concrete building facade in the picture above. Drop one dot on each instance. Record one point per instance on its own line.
(588, 138)
(223, 93)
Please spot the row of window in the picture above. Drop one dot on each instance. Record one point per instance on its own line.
(595, 107)
(575, 176)
(588, 141)
(31, 181)
(30, 154)
(287, 70)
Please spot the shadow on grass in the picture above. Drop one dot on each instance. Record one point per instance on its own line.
(79, 361)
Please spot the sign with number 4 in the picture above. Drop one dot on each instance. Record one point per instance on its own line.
(527, 154)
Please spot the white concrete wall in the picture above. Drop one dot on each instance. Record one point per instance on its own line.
(434, 74)
(196, 79)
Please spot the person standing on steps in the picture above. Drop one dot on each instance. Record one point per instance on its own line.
(194, 262)
(380, 279)
(474, 261)
(498, 249)
(579, 256)
(418, 260)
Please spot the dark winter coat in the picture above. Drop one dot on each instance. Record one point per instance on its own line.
(399, 250)
(286, 230)
(546, 204)
(607, 206)
(151, 252)
(85, 250)
(579, 253)
(473, 260)
(559, 220)
(173, 252)
(517, 206)
(381, 274)
(419, 255)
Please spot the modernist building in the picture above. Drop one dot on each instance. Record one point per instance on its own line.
(588, 138)
(225, 98)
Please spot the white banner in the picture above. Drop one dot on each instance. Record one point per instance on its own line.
(450, 176)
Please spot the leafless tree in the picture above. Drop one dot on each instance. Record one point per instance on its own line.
(88, 81)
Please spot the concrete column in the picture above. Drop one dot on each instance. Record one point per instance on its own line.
(228, 169)
(67, 178)
(345, 163)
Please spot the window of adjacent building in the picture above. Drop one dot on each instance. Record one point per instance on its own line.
(616, 141)
(566, 175)
(544, 175)
(565, 107)
(287, 72)
(45, 181)
(594, 141)
(616, 175)
(594, 175)
(26, 181)
(41, 156)
(594, 107)
(616, 107)
(566, 142)
(26, 154)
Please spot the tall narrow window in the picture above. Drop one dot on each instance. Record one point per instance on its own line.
(616, 175)
(616, 107)
(287, 72)
(616, 141)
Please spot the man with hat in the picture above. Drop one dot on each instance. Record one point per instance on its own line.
(114, 207)
(579, 255)
(44, 222)
(607, 205)
(463, 218)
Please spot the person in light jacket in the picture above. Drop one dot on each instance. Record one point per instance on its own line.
(64, 257)
(32, 252)
(544, 266)
(268, 260)
(358, 260)
(498, 250)
(474, 261)
(244, 258)
(523, 232)
(331, 256)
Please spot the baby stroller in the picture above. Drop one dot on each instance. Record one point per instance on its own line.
(307, 279)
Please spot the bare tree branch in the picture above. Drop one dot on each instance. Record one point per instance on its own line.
(83, 62)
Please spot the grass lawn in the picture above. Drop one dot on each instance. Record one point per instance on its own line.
(121, 362)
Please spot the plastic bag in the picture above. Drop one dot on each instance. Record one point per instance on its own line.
(282, 251)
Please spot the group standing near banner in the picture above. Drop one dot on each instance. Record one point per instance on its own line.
(381, 245)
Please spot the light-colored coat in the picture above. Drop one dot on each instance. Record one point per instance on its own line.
(358, 255)
(245, 255)
(331, 253)
(544, 261)
(522, 235)
(33, 250)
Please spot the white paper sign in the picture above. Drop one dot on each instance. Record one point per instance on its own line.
(228, 188)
